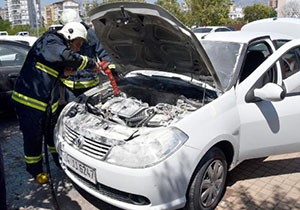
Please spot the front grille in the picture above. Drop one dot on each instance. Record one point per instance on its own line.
(88, 146)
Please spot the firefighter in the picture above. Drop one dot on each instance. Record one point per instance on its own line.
(84, 80)
(53, 56)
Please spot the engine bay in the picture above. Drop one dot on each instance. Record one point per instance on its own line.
(149, 101)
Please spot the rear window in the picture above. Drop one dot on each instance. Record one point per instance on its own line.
(222, 29)
(202, 30)
(11, 55)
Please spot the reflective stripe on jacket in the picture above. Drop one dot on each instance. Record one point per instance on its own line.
(37, 84)
(33, 103)
(46, 69)
(87, 79)
(73, 84)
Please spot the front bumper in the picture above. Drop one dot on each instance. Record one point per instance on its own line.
(162, 186)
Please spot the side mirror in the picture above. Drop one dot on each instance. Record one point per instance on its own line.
(270, 92)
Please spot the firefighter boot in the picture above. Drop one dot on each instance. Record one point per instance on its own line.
(42, 178)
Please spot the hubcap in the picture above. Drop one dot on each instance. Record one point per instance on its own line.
(211, 185)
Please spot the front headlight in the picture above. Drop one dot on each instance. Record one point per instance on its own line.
(147, 149)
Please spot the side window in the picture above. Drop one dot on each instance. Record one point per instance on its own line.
(290, 62)
(280, 42)
(290, 67)
(12, 55)
(256, 55)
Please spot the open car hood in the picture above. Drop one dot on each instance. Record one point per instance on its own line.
(140, 36)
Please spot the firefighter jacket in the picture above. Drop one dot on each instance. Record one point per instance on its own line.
(44, 65)
(87, 79)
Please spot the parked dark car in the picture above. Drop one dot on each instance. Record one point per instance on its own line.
(12, 57)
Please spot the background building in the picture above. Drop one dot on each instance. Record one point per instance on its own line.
(286, 8)
(3, 14)
(54, 11)
(235, 12)
(24, 12)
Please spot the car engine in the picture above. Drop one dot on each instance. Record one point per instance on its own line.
(148, 103)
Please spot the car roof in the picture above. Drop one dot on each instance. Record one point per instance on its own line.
(29, 40)
(16, 43)
(286, 26)
(242, 36)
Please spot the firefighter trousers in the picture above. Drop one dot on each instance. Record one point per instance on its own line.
(32, 124)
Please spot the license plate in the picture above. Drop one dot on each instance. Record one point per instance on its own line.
(80, 168)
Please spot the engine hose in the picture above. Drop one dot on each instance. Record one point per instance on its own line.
(47, 132)
(107, 71)
(54, 198)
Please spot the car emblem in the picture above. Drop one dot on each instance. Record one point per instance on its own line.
(78, 142)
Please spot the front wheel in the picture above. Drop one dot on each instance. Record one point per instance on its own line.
(208, 184)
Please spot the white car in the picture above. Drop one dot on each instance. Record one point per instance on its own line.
(201, 31)
(275, 25)
(29, 40)
(3, 33)
(22, 33)
(180, 121)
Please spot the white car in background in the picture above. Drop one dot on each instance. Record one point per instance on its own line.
(29, 40)
(204, 30)
(3, 33)
(22, 33)
(287, 26)
(184, 116)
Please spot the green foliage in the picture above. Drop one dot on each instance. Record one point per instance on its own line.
(258, 11)
(208, 12)
(4, 25)
(13, 30)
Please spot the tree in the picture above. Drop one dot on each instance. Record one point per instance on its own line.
(258, 11)
(291, 9)
(5, 25)
(173, 7)
(207, 12)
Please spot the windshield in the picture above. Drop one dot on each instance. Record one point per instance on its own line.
(224, 57)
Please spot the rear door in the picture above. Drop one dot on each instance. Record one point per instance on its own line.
(12, 57)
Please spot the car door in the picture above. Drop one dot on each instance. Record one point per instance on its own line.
(12, 56)
(269, 127)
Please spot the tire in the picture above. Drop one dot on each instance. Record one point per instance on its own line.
(208, 186)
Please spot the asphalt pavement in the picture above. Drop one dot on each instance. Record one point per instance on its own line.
(263, 184)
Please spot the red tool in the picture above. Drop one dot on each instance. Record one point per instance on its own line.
(104, 66)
